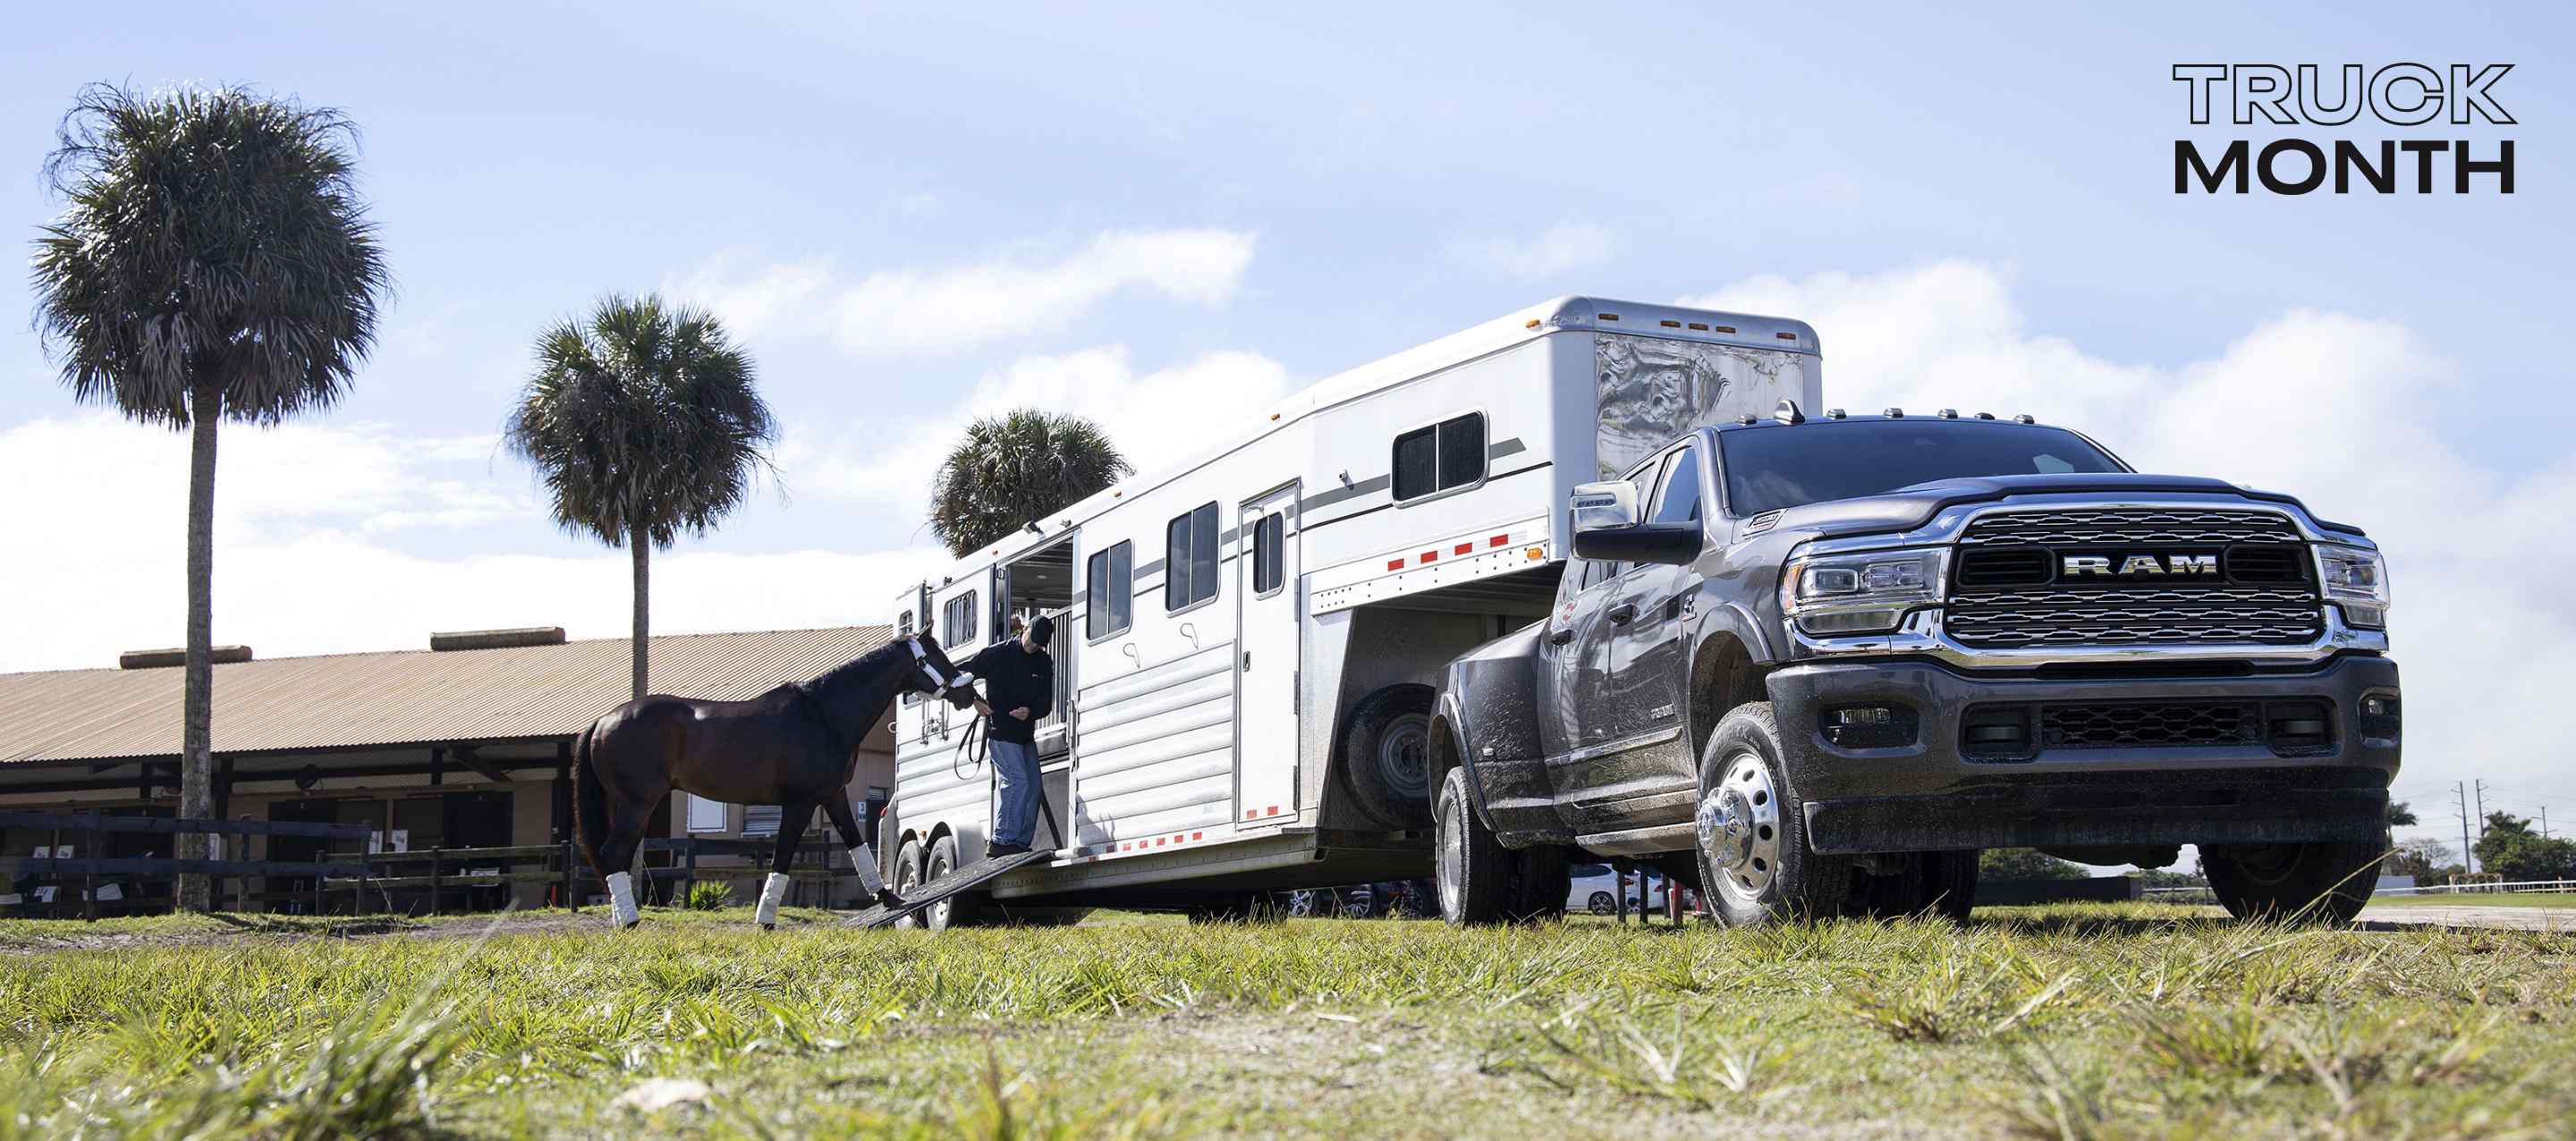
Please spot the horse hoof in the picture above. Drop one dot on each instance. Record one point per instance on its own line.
(769, 927)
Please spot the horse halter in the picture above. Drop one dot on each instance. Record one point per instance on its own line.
(921, 658)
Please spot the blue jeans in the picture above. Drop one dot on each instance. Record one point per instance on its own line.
(1015, 811)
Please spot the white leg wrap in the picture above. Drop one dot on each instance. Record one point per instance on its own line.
(870, 883)
(770, 893)
(621, 899)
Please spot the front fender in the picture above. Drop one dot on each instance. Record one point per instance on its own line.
(1489, 698)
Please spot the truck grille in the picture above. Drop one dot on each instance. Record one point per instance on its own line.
(2008, 590)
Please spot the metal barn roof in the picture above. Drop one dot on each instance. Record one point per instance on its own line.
(399, 697)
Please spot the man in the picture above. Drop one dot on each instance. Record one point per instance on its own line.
(1019, 679)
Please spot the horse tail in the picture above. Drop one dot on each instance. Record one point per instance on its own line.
(589, 801)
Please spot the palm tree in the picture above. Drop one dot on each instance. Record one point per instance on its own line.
(1010, 470)
(214, 262)
(642, 422)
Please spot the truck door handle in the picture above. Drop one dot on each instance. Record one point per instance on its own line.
(1623, 613)
(1560, 637)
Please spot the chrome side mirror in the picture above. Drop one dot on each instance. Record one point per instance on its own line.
(1603, 505)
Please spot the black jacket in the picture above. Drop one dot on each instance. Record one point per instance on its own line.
(1014, 677)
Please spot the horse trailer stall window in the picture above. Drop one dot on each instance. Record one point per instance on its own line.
(1189, 558)
(1109, 599)
(1267, 565)
(957, 621)
(1440, 457)
(705, 815)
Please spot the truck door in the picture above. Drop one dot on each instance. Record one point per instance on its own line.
(1268, 602)
(1613, 703)
(1648, 652)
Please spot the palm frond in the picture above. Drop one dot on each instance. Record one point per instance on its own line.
(1013, 469)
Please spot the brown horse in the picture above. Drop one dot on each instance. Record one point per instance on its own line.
(793, 746)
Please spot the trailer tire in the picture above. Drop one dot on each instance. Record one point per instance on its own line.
(2295, 883)
(907, 877)
(1473, 868)
(959, 910)
(1384, 759)
(1752, 830)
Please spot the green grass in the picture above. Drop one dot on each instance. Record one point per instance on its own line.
(2565, 901)
(2063, 1022)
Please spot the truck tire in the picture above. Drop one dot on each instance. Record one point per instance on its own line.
(2299, 883)
(1942, 884)
(1473, 868)
(1383, 762)
(1752, 829)
(959, 910)
(908, 876)
(1543, 881)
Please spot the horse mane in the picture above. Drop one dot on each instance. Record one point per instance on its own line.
(830, 683)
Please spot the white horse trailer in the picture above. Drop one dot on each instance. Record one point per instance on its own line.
(1246, 642)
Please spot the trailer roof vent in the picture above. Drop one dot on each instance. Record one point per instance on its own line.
(163, 659)
(497, 639)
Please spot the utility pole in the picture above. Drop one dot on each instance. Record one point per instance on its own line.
(2481, 786)
(2460, 797)
(2544, 822)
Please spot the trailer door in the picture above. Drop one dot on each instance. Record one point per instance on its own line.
(1268, 602)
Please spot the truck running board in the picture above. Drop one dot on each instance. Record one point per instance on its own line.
(972, 875)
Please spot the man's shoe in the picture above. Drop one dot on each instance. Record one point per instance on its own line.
(886, 898)
(993, 850)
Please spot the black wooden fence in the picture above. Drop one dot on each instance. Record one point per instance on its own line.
(426, 879)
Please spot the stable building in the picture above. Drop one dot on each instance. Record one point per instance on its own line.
(465, 744)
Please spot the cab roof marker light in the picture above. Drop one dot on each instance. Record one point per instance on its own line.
(2024, 418)
(1833, 414)
(1985, 415)
(1949, 413)
(1746, 419)
(1895, 413)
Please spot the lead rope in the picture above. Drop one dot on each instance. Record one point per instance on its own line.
(960, 758)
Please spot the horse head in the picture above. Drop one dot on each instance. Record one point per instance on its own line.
(938, 676)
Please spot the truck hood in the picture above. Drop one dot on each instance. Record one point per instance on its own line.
(1909, 507)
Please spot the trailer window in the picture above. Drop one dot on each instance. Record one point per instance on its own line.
(957, 620)
(1268, 565)
(1446, 455)
(1109, 601)
(1189, 558)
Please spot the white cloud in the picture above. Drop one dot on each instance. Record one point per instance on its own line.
(1565, 247)
(304, 558)
(914, 312)
(2335, 409)
(1156, 418)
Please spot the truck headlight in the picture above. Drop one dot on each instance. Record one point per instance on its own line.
(2355, 578)
(1861, 594)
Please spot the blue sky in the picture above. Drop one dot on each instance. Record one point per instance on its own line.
(901, 209)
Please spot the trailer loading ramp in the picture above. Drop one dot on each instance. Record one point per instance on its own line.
(972, 875)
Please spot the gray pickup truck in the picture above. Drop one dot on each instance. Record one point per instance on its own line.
(1817, 664)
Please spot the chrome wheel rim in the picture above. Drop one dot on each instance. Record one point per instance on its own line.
(935, 916)
(906, 878)
(1453, 855)
(1739, 829)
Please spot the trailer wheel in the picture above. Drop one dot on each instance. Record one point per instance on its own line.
(907, 877)
(2299, 883)
(959, 910)
(1751, 821)
(1384, 763)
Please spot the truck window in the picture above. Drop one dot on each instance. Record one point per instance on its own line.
(1772, 467)
(1445, 455)
(1109, 592)
(1189, 558)
(1677, 501)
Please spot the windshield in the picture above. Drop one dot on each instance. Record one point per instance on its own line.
(1771, 468)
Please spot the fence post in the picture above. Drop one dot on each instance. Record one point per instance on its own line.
(689, 875)
(434, 879)
(567, 899)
